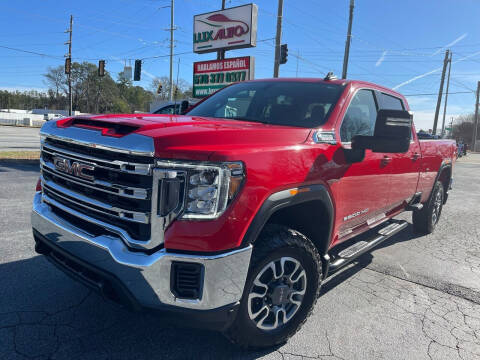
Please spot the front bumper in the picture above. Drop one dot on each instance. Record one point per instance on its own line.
(145, 277)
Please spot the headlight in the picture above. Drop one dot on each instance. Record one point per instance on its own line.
(208, 188)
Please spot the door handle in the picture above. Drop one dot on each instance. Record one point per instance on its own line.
(386, 160)
(415, 156)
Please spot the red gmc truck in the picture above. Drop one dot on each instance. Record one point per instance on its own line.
(234, 213)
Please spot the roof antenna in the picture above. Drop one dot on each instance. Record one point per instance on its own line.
(330, 76)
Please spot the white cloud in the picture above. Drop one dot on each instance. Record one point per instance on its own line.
(433, 71)
(379, 61)
(460, 38)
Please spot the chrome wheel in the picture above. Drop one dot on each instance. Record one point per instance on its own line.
(437, 206)
(277, 293)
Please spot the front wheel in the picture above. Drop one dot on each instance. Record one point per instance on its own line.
(425, 220)
(281, 289)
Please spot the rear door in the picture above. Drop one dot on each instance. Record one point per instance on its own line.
(361, 193)
(405, 168)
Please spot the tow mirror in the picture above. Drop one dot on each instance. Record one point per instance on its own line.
(392, 134)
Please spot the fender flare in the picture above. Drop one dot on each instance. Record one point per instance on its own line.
(443, 166)
(287, 198)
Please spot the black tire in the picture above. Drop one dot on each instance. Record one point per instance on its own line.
(275, 244)
(425, 220)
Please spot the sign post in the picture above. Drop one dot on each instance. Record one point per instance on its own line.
(210, 76)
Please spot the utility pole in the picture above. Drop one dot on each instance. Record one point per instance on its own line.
(446, 94)
(440, 92)
(298, 57)
(176, 86)
(172, 3)
(278, 39)
(349, 40)
(475, 126)
(221, 53)
(69, 55)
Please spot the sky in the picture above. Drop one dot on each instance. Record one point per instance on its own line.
(397, 44)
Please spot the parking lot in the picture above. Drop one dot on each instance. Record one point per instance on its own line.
(411, 298)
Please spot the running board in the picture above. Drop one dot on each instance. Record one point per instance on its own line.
(349, 254)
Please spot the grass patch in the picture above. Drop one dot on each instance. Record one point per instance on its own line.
(20, 155)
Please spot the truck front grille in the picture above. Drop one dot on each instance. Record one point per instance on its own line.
(114, 187)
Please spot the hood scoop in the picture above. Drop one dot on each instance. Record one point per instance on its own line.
(115, 129)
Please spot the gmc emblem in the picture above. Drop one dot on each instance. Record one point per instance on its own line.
(73, 168)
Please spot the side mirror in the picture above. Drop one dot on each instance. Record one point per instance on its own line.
(183, 107)
(392, 134)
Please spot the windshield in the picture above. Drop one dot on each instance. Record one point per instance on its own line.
(291, 103)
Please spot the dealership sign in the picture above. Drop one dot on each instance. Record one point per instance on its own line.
(210, 76)
(232, 28)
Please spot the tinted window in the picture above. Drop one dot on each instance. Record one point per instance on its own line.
(390, 102)
(168, 109)
(292, 103)
(360, 117)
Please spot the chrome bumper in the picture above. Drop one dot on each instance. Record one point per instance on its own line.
(147, 277)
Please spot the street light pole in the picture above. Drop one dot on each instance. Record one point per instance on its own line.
(475, 126)
(349, 40)
(171, 49)
(278, 37)
(446, 95)
(70, 97)
(440, 92)
(221, 52)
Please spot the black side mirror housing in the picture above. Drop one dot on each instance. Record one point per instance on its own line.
(392, 134)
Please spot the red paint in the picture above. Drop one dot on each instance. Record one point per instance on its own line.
(280, 157)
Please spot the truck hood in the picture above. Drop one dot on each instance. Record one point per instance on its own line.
(198, 138)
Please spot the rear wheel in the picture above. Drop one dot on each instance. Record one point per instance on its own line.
(425, 220)
(281, 289)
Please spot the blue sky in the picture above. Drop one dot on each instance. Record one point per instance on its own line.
(393, 41)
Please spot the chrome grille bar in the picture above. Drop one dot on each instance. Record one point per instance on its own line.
(141, 169)
(105, 186)
(94, 205)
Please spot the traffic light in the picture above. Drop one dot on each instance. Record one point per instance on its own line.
(101, 68)
(68, 65)
(138, 70)
(283, 53)
(159, 88)
(175, 92)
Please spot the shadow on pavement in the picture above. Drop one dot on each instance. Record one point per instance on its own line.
(366, 259)
(20, 165)
(44, 313)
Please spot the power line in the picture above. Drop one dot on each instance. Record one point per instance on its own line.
(436, 94)
(31, 52)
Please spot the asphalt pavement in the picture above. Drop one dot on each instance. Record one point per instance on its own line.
(15, 138)
(412, 298)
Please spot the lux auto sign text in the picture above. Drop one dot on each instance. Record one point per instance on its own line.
(226, 29)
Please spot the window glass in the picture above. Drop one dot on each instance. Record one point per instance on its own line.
(235, 106)
(169, 110)
(389, 102)
(360, 117)
(291, 103)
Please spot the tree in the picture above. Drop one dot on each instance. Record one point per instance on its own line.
(463, 128)
(55, 78)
